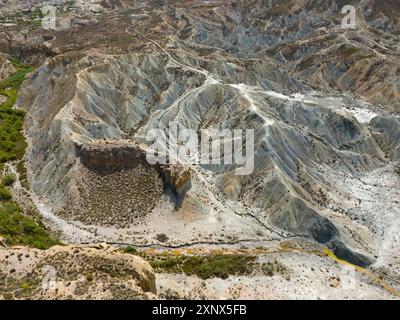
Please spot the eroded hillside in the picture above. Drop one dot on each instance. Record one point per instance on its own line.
(323, 103)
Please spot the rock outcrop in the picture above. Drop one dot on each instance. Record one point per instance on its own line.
(109, 156)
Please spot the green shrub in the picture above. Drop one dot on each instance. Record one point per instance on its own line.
(306, 63)
(348, 51)
(272, 268)
(130, 249)
(89, 277)
(8, 180)
(5, 195)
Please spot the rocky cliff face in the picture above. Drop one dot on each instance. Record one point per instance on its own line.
(108, 157)
(323, 103)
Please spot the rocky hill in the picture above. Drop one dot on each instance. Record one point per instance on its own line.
(74, 272)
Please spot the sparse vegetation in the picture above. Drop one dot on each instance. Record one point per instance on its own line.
(89, 277)
(213, 265)
(205, 267)
(32, 17)
(23, 177)
(18, 229)
(275, 267)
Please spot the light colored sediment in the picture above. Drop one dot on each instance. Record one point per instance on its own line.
(74, 272)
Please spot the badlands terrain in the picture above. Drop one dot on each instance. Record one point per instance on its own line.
(317, 218)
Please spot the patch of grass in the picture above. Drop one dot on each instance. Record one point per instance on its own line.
(205, 267)
(271, 268)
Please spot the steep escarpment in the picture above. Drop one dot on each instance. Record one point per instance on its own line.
(105, 157)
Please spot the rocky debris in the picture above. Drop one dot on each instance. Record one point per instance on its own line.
(6, 69)
(74, 272)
